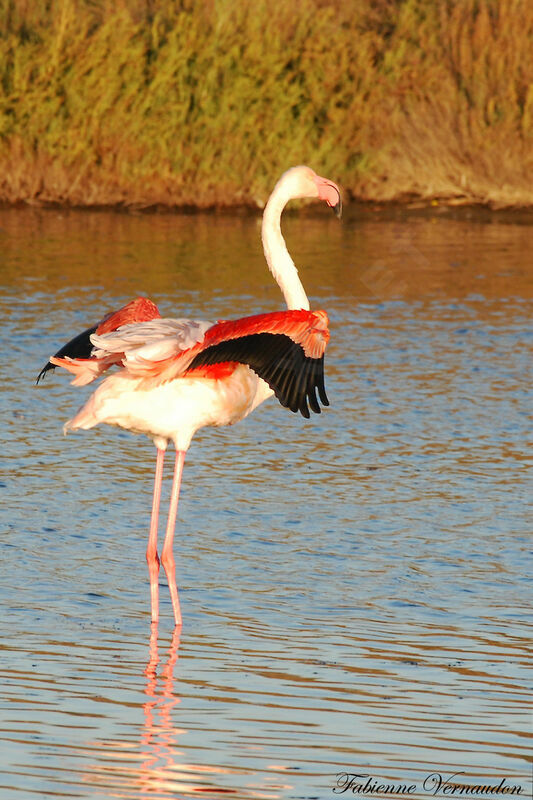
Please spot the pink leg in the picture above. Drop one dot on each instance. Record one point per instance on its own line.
(151, 551)
(167, 556)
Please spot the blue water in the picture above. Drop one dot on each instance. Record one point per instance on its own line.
(355, 588)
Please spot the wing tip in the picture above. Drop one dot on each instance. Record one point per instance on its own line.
(47, 367)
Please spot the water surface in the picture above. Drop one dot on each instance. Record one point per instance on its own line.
(355, 588)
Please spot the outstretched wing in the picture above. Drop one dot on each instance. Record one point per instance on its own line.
(284, 348)
(281, 362)
(80, 348)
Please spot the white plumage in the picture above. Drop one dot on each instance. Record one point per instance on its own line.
(142, 342)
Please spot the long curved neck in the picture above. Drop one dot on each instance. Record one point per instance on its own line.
(277, 256)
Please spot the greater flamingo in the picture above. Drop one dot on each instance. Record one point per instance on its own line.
(179, 375)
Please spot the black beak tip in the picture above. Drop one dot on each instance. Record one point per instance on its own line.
(337, 209)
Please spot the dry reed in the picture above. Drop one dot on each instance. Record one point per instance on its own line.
(183, 103)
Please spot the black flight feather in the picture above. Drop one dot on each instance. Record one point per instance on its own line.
(278, 360)
(79, 347)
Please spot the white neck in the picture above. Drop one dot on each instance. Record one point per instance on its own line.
(277, 256)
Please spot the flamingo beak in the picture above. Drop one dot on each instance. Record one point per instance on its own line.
(331, 194)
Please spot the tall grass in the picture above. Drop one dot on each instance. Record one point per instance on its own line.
(183, 102)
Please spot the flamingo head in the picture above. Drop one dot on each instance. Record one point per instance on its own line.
(302, 181)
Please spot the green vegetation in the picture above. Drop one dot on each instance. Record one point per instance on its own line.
(184, 102)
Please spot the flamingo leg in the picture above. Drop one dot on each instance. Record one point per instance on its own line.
(151, 551)
(167, 556)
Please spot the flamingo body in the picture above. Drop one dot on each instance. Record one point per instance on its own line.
(171, 411)
(176, 376)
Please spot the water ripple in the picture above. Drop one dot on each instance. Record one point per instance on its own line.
(356, 589)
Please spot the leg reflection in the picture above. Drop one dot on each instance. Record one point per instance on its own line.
(147, 760)
(159, 735)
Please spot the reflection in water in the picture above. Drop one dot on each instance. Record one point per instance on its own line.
(160, 736)
(158, 768)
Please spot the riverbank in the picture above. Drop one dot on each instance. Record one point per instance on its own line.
(205, 105)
